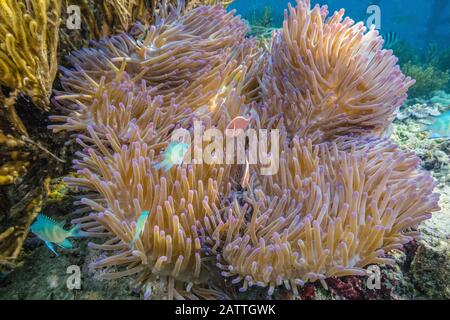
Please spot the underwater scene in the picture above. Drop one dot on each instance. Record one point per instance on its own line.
(224, 150)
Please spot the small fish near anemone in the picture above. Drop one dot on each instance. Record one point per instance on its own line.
(50, 231)
(390, 39)
(440, 127)
(140, 226)
(173, 155)
(237, 126)
(245, 182)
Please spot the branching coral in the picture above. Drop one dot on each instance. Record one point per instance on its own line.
(428, 79)
(328, 75)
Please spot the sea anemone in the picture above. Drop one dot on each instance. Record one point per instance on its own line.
(112, 16)
(327, 76)
(124, 183)
(125, 106)
(344, 195)
(333, 209)
(187, 59)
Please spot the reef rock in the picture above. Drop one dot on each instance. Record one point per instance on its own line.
(430, 268)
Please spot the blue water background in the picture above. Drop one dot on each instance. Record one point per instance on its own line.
(417, 22)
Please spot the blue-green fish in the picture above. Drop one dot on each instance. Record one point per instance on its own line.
(51, 232)
(140, 226)
(173, 155)
(440, 127)
(390, 39)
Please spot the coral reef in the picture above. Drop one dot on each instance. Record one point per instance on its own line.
(344, 196)
(440, 98)
(418, 111)
(429, 78)
(128, 112)
(263, 18)
(29, 38)
(431, 69)
(410, 135)
(29, 49)
(438, 57)
(428, 268)
(25, 166)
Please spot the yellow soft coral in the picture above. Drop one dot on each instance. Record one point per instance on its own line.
(15, 161)
(28, 46)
